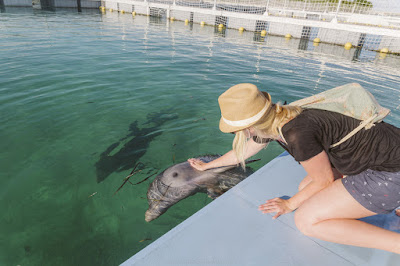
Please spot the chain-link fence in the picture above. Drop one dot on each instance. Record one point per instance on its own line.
(356, 23)
(381, 13)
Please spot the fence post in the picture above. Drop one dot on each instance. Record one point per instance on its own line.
(338, 8)
(354, 7)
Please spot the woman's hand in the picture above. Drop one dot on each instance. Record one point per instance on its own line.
(198, 164)
(277, 205)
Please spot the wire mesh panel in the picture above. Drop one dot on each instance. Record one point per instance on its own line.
(241, 6)
(313, 16)
(361, 54)
(196, 3)
(262, 25)
(360, 6)
(158, 12)
(309, 33)
(168, 2)
(221, 20)
(370, 41)
(326, 6)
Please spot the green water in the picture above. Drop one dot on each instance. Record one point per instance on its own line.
(71, 84)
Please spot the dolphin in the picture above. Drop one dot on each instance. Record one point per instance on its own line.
(134, 148)
(181, 181)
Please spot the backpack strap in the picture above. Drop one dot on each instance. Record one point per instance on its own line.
(281, 135)
(366, 123)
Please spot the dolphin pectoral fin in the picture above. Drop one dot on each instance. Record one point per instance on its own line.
(214, 193)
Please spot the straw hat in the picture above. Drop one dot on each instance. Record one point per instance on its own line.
(242, 106)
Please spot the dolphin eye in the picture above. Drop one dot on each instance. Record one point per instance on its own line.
(175, 174)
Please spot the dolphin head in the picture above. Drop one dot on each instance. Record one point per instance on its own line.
(174, 184)
(181, 181)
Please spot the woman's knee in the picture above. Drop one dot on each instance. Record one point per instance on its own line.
(304, 221)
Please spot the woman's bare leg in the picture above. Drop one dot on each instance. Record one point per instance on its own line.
(306, 180)
(331, 215)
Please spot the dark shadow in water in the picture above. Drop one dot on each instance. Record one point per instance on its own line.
(357, 54)
(157, 20)
(135, 148)
(303, 44)
(78, 3)
(2, 7)
(220, 32)
(47, 5)
(258, 38)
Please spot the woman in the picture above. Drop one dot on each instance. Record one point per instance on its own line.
(327, 206)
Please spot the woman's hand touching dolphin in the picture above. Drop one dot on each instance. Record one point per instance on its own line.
(198, 164)
(228, 158)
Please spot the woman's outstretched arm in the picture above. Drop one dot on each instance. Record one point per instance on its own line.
(228, 158)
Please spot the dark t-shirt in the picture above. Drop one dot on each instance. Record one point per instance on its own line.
(315, 130)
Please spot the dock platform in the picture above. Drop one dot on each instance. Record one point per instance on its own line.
(232, 231)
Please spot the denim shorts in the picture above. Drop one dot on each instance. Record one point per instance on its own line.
(377, 191)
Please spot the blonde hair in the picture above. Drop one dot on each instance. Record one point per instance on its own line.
(268, 125)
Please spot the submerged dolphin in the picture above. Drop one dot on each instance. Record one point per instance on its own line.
(133, 149)
(181, 181)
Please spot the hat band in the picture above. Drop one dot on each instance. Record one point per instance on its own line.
(247, 121)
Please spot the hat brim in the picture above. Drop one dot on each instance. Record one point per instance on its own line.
(224, 127)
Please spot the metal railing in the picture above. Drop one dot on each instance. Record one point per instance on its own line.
(386, 13)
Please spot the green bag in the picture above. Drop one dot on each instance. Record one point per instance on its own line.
(351, 100)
